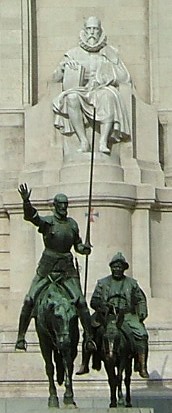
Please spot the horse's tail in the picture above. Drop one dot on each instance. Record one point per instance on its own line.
(59, 367)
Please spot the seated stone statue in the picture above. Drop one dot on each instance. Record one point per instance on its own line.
(59, 233)
(91, 75)
(124, 294)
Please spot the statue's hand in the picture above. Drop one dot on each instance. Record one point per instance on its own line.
(87, 249)
(103, 308)
(141, 317)
(24, 191)
(73, 64)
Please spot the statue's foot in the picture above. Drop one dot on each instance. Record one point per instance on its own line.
(21, 344)
(104, 149)
(84, 149)
(82, 370)
(143, 373)
(85, 146)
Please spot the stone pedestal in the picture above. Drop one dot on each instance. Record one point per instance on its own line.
(131, 204)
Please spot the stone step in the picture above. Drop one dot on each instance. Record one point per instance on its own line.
(156, 399)
(158, 337)
(17, 366)
(86, 410)
(39, 406)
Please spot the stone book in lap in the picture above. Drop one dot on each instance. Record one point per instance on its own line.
(73, 77)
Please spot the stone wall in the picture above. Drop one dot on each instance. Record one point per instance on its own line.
(126, 24)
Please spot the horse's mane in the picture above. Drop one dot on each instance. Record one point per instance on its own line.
(54, 295)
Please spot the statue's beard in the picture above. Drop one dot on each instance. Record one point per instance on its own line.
(92, 40)
(92, 44)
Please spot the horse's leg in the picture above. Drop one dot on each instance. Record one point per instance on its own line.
(68, 398)
(46, 350)
(127, 381)
(59, 367)
(69, 354)
(112, 380)
(120, 394)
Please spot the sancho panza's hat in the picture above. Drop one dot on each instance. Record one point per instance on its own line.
(121, 258)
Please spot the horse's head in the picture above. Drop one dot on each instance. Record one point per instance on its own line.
(56, 314)
(61, 312)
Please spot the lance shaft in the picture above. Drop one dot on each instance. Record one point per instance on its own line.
(87, 238)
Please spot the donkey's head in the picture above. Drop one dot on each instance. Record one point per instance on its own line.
(111, 338)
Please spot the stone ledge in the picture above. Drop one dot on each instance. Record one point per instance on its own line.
(12, 118)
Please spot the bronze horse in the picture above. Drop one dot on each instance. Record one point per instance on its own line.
(113, 348)
(56, 323)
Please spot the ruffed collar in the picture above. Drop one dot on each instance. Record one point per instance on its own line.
(96, 47)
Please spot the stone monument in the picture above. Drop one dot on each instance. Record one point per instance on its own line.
(131, 196)
(99, 72)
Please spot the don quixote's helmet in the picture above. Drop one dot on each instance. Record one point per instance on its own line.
(60, 198)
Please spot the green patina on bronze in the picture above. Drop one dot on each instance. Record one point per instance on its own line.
(122, 294)
(56, 321)
(60, 233)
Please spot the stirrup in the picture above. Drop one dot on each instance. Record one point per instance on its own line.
(90, 345)
(21, 344)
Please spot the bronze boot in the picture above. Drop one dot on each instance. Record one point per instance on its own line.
(85, 319)
(24, 321)
(142, 366)
(84, 367)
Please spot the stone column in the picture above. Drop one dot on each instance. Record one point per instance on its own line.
(165, 118)
(141, 247)
(161, 246)
(22, 250)
(147, 143)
